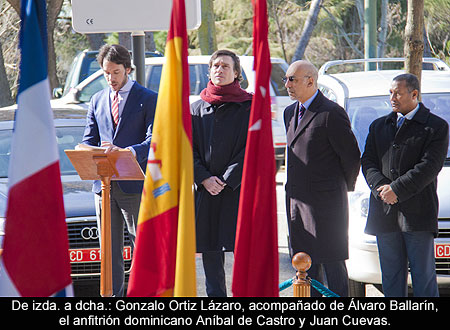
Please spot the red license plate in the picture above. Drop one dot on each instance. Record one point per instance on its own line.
(442, 250)
(93, 255)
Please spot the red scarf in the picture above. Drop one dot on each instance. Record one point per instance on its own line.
(221, 94)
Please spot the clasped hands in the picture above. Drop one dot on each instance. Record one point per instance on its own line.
(387, 195)
(109, 146)
(213, 185)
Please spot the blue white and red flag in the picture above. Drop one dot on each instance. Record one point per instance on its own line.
(35, 256)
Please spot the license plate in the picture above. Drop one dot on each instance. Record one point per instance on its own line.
(93, 255)
(442, 250)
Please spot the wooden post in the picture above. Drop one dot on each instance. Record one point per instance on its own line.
(92, 163)
(301, 262)
(105, 171)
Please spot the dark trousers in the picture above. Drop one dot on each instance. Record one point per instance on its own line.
(333, 275)
(397, 250)
(124, 210)
(213, 264)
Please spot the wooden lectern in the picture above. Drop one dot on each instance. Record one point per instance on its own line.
(92, 163)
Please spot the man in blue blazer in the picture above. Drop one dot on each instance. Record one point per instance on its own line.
(120, 116)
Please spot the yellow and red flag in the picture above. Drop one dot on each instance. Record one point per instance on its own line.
(255, 272)
(164, 256)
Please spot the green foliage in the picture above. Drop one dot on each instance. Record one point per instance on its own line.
(437, 23)
(112, 38)
(160, 40)
(338, 22)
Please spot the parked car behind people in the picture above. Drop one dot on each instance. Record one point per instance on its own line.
(365, 97)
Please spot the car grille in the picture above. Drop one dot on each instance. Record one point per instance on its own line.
(88, 270)
(443, 264)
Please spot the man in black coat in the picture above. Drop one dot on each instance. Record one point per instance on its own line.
(219, 135)
(323, 161)
(404, 153)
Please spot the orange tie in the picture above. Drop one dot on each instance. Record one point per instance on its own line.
(115, 108)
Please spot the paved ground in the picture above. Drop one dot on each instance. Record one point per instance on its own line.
(286, 270)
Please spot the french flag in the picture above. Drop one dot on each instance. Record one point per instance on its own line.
(35, 258)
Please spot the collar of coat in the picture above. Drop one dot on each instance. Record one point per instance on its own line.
(421, 115)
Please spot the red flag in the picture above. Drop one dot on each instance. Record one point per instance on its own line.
(255, 272)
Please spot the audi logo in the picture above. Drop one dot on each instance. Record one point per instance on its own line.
(89, 233)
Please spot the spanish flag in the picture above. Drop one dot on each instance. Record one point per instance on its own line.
(164, 255)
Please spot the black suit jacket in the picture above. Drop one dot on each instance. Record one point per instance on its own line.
(323, 161)
(409, 160)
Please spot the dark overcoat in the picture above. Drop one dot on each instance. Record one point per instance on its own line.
(219, 135)
(322, 166)
(409, 159)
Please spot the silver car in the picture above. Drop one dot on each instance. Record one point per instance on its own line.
(365, 97)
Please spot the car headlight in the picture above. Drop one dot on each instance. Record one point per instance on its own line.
(359, 209)
(359, 203)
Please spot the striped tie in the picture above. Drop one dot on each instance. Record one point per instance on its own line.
(115, 109)
(400, 121)
(301, 112)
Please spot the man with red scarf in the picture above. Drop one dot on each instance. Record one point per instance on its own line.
(220, 123)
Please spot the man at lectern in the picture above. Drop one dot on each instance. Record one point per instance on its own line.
(120, 116)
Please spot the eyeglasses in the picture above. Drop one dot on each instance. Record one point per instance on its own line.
(292, 78)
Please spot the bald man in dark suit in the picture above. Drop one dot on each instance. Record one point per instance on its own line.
(323, 161)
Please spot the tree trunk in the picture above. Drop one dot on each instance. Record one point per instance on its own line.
(96, 40)
(5, 92)
(125, 39)
(53, 10)
(414, 38)
(207, 30)
(273, 7)
(383, 28)
(149, 42)
(308, 28)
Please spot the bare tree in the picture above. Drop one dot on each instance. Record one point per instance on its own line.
(207, 30)
(414, 38)
(96, 40)
(53, 10)
(383, 28)
(5, 92)
(308, 28)
(273, 9)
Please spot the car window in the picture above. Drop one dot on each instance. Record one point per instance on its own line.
(66, 138)
(198, 78)
(69, 78)
(364, 110)
(93, 87)
(328, 93)
(5, 151)
(89, 66)
(153, 77)
(276, 78)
